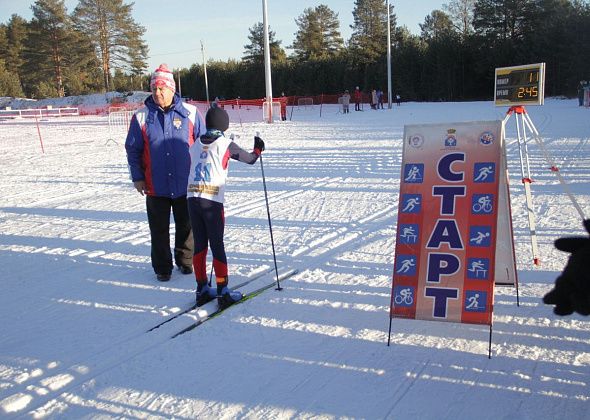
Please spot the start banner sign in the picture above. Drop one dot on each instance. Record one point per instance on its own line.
(453, 195)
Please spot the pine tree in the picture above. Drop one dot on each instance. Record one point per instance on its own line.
(16, 34)
(114, 34)
(368, 41)
(436, 25)
(54, 50)
(254, 51)
(318, 35)
(48, 40)
(3, 40)
(9, 85)
(562, 40)
(501, 20)
(443, 59)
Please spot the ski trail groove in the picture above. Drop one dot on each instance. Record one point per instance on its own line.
(107, 358)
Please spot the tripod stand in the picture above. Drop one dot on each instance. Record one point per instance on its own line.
(525, 125)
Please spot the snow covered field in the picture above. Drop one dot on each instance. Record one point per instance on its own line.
(78, 292)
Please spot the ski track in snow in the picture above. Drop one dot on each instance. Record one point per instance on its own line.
(79, 292)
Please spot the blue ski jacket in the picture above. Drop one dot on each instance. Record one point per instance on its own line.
(158, 144)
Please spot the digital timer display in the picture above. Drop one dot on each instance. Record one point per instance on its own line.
(521, 85)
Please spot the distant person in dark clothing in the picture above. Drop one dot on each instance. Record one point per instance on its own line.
(358, 97)
(581, 86)
(283, 100)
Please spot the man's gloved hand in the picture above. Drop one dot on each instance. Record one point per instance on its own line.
(258, 145)
(572, 288)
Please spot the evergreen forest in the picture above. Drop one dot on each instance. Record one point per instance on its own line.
(99, 47)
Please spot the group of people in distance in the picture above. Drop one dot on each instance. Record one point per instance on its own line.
(179, 162)
(376, 100)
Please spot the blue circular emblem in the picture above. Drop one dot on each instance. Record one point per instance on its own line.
(486, 138)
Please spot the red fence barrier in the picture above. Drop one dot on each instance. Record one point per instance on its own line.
(237, 103)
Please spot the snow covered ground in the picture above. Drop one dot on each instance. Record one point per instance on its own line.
(78, 294)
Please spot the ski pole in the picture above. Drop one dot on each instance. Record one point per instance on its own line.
(272, 242)
(291, 116)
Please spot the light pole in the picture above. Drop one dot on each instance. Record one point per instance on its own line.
(179, 87)
(389, 95)
(267, 76)
(205, 71)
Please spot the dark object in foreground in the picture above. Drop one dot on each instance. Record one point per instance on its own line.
(572, 288)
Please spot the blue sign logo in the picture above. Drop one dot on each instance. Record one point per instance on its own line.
(480, 236)
(482, 203)
(403, 296)
(486, 138)
(405, 265)
(478, 268)
(475, 301)
(484, 172)
(414, 173)
(411, 203)
(408, 233)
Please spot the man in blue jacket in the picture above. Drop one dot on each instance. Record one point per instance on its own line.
(157, 146)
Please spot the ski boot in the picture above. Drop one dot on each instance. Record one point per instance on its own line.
(228, 297)
(205, 294)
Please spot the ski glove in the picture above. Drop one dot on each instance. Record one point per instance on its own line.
(572, 288)
(258, 145)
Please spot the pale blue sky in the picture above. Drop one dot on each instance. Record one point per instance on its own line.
(175, 28)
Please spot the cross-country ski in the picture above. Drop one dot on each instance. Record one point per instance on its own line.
(193, 305)
(213, 309)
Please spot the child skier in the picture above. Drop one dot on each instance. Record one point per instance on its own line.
(206, 186)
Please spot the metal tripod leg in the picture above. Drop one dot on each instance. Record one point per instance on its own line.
(529, 123)
(525, 172)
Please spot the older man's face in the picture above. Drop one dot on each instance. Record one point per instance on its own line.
(162, 96)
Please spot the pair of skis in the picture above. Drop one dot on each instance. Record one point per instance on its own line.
(194, 305)
(210, 309)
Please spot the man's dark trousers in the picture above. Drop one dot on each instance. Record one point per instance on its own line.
(158, 211)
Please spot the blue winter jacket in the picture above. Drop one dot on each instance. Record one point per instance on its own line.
(157, 146)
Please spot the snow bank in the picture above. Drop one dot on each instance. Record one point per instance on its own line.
(95, 104)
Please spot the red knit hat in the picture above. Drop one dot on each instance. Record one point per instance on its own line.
(163, 77)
